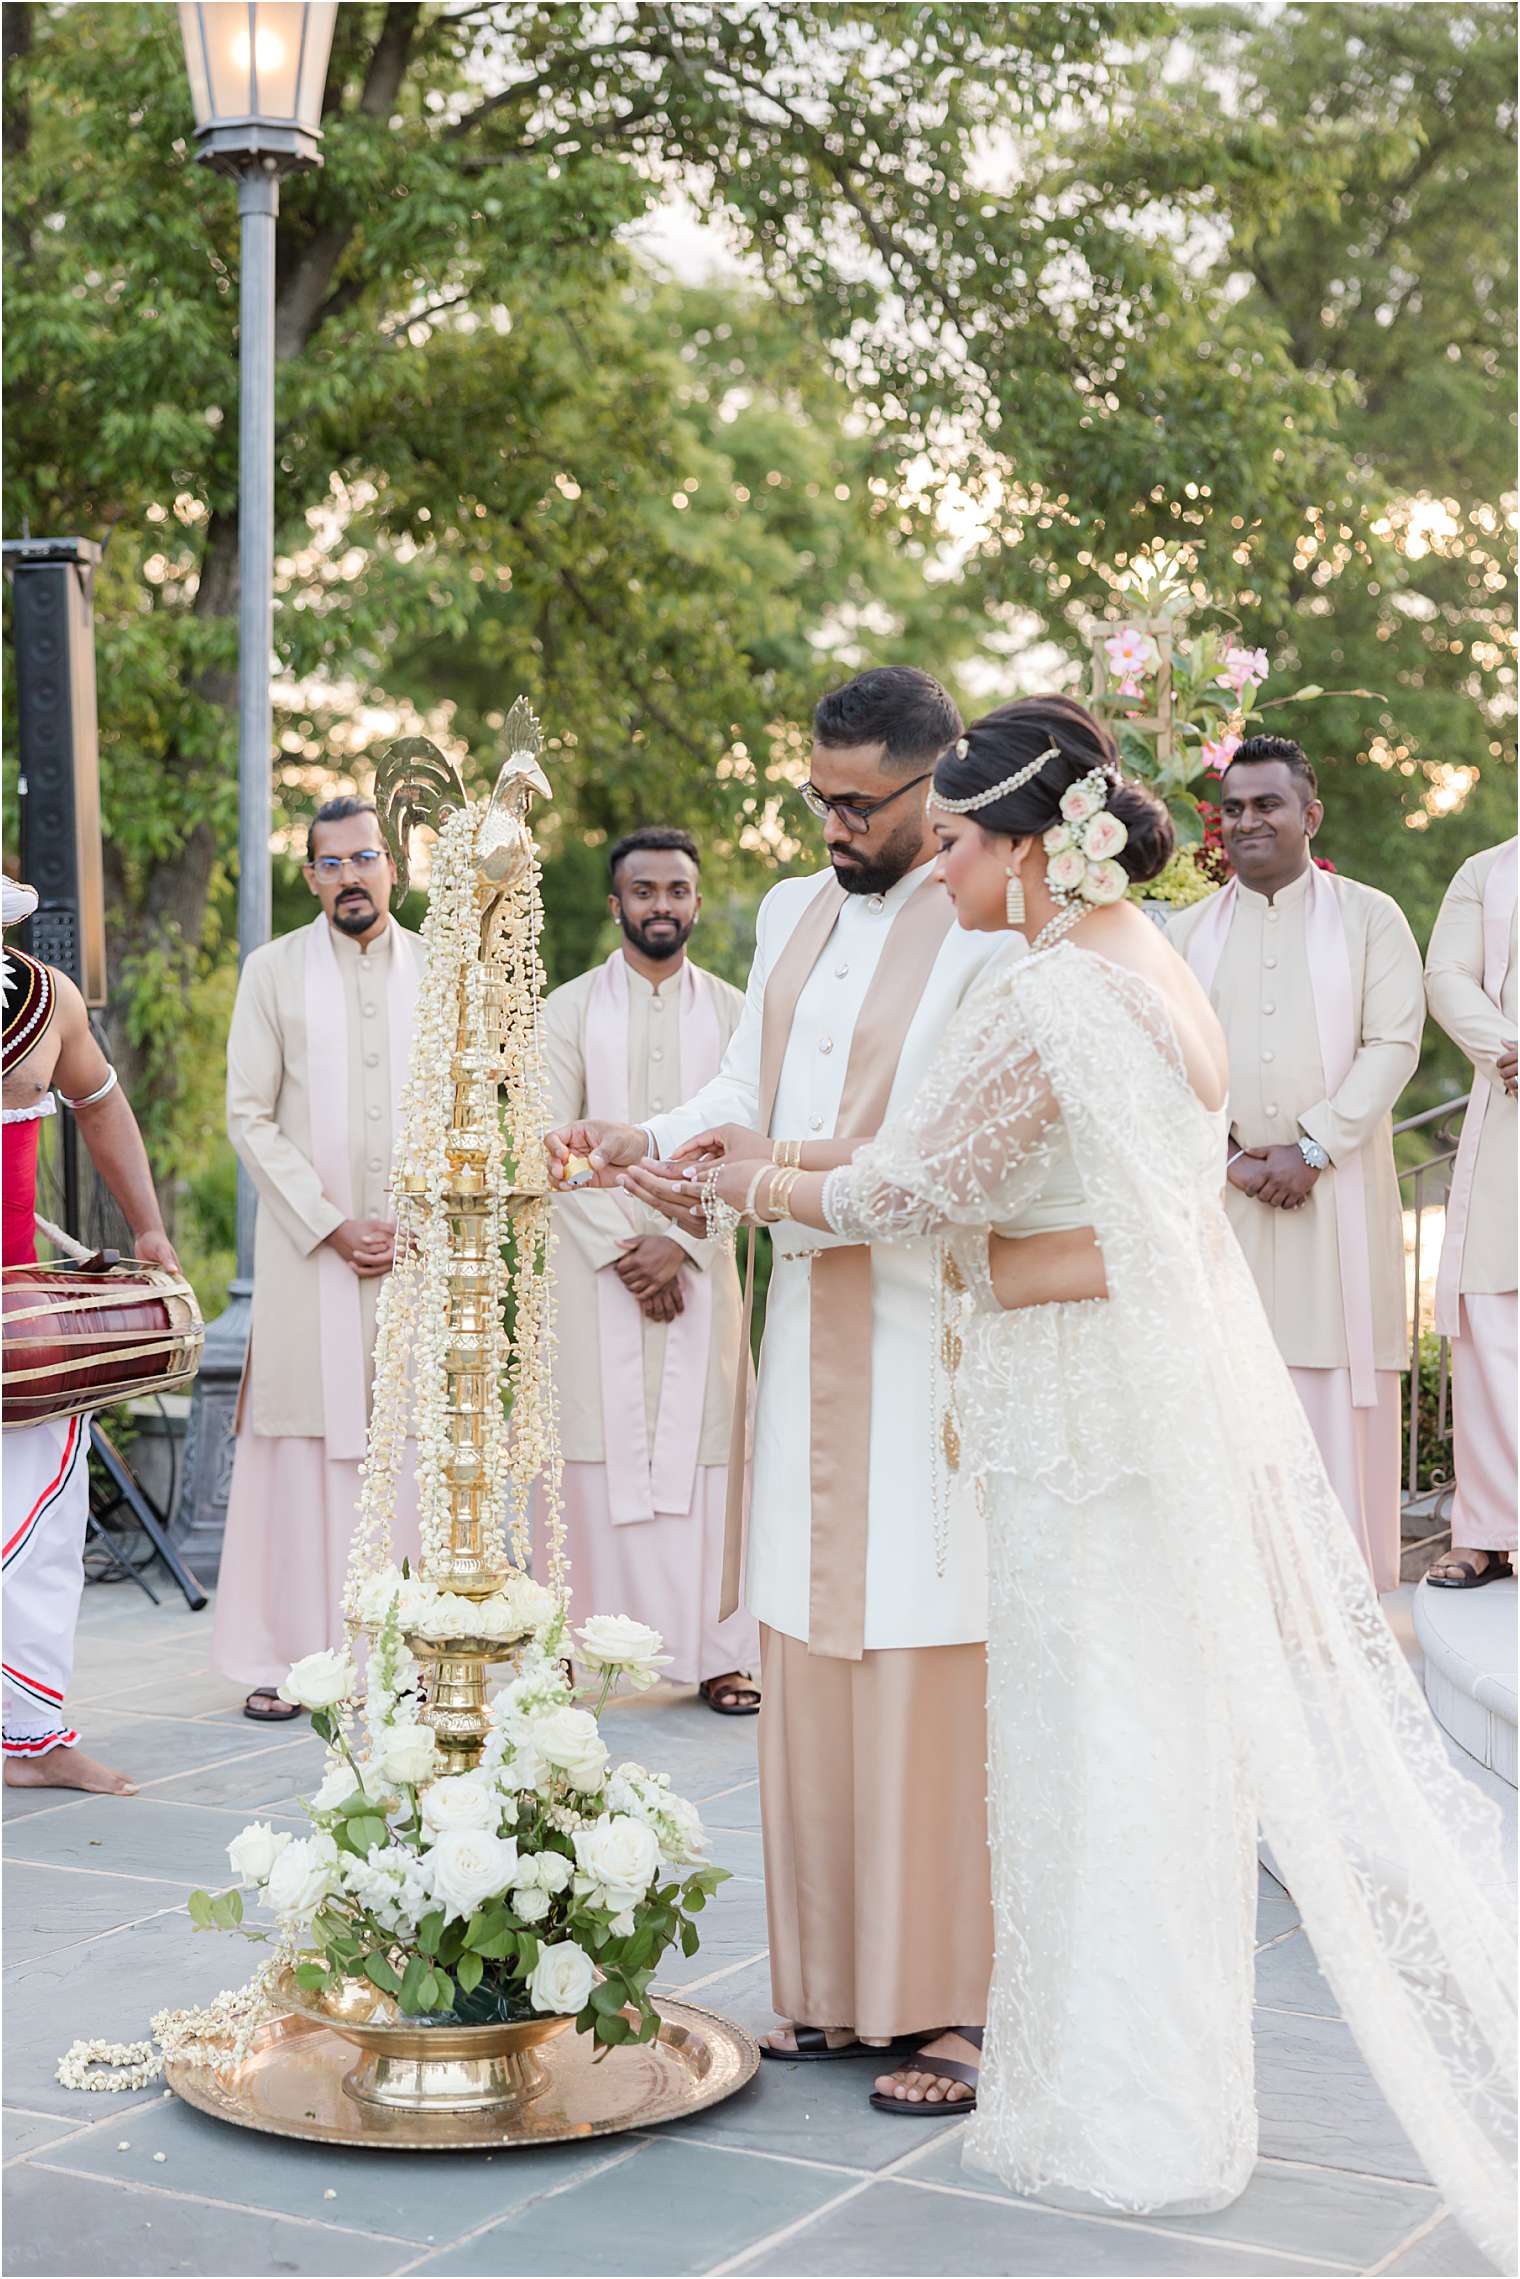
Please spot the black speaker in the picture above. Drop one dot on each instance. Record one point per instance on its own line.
(58, 755)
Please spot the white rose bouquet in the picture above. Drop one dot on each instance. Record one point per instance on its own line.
(545, 1881)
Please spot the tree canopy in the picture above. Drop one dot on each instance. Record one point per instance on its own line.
(1010, 293)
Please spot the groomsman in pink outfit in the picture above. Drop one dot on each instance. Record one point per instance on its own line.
(316, 1059)
(648, 1325)
(1318, 982)
(1470, 980)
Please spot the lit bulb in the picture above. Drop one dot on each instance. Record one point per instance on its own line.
(268, 49)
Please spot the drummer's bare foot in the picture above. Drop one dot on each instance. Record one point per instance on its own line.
(67, 1768)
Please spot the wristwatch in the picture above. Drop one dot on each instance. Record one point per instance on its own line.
(1312, 1153)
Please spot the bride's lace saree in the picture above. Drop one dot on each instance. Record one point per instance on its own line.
(1162, 1426)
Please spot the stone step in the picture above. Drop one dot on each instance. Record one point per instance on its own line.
(1467, 1642)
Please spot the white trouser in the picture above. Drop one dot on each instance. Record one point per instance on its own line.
(46, 1504)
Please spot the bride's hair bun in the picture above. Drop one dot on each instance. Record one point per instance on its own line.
(1006, 740)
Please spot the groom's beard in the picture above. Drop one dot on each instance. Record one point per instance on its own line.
(879, 872)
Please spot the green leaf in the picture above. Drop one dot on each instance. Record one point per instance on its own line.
(413, 1978)
(471, 1970)
(691, 1939)
(201, 1909)
(312, 1976)
(1187, 821)
(322, 1724)
(366, 1830)
(613, 2031)
(649, 2026)
(379, 1973)
(611, 1995)
(430, 1931)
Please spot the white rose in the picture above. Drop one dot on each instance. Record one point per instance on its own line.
(254, 1853)
(622, 1926)
(1105, 836)
(1063, 872)
(1105, 882)
(407, 1753)
(568, 1740)
(1057, 839)
(302, 1877)
(460, 1800)
(321, 1681)
(616, 1641)
(1079, 801)
(562, 1980)
(468, 1866)
(529, 1904)
(620, 1856)
(535, 1603)
(338, 1785)
(551, 1871)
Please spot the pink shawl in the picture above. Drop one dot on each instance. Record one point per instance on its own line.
(641, 1482)
(1336, 1024)
(341, 1320)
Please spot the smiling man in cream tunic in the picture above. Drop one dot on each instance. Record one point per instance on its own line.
(1319, 984)
(868, 1582)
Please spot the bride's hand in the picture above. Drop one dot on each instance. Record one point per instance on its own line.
(670, 1189)
(735, 1143)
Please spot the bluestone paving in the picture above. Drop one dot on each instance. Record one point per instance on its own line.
(796, 2175)
(1318, 2212)
(894, 2230)
(49, 1908)
(57, 2222)
(1444, 2253)
(672, 2207)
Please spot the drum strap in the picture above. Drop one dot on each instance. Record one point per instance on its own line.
(30, 1003)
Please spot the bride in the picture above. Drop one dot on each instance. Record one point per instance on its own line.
(1183, 1643)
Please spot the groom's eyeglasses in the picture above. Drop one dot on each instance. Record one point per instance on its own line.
(329, 867)
(855, 814)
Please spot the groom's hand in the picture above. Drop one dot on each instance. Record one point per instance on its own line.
(607, 1147)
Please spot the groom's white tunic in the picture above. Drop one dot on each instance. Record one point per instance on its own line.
(906, 1603)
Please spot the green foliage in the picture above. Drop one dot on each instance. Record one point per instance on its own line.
(1044, 269)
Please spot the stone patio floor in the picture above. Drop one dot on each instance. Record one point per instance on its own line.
(794, 2175)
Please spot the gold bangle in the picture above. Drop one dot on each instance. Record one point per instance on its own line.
(787, 1154)
(778, 1195)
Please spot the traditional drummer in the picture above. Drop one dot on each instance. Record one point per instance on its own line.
(48, 1043)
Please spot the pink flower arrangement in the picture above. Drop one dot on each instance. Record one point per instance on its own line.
(1243, 668)
(1218, 752)
(1130, 655)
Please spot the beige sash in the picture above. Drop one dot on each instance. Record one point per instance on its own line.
(840, 1296)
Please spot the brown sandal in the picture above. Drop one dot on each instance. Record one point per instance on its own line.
(730, 1697)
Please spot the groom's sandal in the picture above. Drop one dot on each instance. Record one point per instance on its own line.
(938, 2069)
(813, 2043)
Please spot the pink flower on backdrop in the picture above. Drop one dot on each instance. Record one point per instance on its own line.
(1217, 754)
(1241, 666)
(1130, 654)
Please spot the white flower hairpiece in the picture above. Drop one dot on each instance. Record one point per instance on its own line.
(1080, 850)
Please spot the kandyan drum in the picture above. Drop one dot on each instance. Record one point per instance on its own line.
(75, 1338)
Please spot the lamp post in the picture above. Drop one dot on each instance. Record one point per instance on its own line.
(257, 69)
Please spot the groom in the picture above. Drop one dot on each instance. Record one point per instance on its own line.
(872, 1736)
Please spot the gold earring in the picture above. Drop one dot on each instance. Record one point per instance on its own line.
(1013, 900)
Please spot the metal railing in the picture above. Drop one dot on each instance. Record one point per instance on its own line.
(1427, 1509)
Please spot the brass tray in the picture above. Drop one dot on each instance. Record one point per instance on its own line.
(291, 2085)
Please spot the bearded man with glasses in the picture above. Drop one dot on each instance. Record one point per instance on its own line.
(862, 1556)
(316, 1058)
